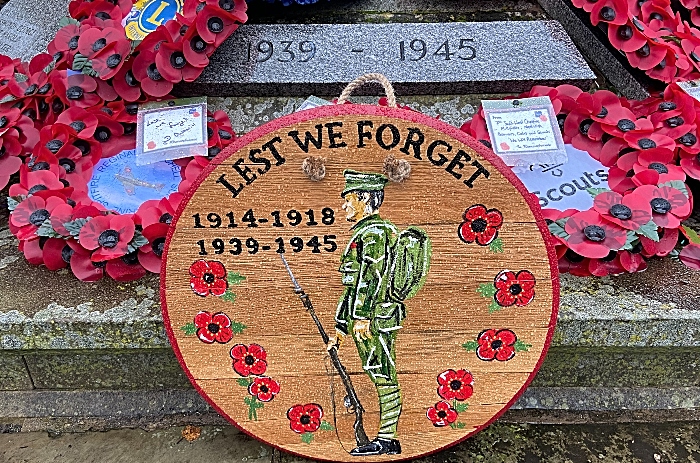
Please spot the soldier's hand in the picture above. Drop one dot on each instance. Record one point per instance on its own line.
(361, 329)
(336, 341)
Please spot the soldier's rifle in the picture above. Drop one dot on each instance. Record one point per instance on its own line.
(351, 398)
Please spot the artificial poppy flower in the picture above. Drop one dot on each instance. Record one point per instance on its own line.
(673, 65)
(213, 328)
(31, 182)
(108, 133)
(31, 213)
(125, 83)
(195, 48)
(608, 265)
(305, 418)
(108, 236)
(690, 256)
(208, 277)
(609, 11)
(648, 55)
(81, 121)
(496, 345)
(514, 289)
(173, 65)
(662, 161)
(109, 61)
(125, 268)
(690, 163)
(631, 211)
(56, 253)
(264, 389)
(668, 239)
(219, 130)
(75, 89)
(633, 261)
(669, 206)
(102, 9)
(55, 140)
(9, 163)
(150, 254)
(442, 414)
(591, 236)
(146, 72)
(626, 37)
(457, 385)
(31, 248)
(94, 42)
(480, 225)
(191, 171)
(158, 211)
(249, 360)
(215, 24)
(66, 40)
(33, 78)
(83, 266)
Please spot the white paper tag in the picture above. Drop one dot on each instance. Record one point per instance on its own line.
(313, 102)
(524, 131)
(171, 130)
(691, 87)
(565, 185)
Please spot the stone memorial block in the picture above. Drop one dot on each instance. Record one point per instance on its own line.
(425, 58)
(27, 27)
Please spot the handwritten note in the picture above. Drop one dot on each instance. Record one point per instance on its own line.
(171, 132)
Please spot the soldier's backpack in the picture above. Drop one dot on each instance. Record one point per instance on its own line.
(410, 263)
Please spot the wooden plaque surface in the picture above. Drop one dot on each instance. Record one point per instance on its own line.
(445, 284)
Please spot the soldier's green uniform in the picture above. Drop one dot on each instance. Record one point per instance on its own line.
(365, 268)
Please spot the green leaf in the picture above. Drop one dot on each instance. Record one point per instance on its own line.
(326, 426)
(596, 191)
(486, 289)
(494, 307)
(556, 228)
(249, 400)
(245, 382)
(46, 229)
(470, 346)
(7, 99)
(461, 407)
(88, 70)
(67, 20)
(75, 226)
(21, 77)
(678, 185)
(496, 245)
(307, 437)
(520, 346)
(136, 242)
(629, 244)
(189, 329)
(235, 278)
(691, 234)
(237, 328)
(79, 62)
(650, 230)
(13, 202)
(229, 296)
(460, 425)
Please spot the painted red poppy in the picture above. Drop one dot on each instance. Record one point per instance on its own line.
(305, 418)
(208, 277)
(442, 414)
(480, 225)
(249, 360)
(455, 385)
(213, 328)
(514, 289)
(496, 345)
(264, 389)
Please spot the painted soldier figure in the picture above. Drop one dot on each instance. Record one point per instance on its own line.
(370, 310)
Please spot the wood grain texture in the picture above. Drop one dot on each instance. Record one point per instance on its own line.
(444, 319)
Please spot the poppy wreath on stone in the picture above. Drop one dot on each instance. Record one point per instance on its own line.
(67, 109)
(650, 148)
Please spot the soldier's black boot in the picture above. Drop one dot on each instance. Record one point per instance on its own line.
(378, 446)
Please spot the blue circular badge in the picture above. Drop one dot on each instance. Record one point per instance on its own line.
(122, 186)
(156, 12)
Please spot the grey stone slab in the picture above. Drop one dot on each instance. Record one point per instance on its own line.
(591, 41)
(301, 59)
(13, 373)
(26, 27)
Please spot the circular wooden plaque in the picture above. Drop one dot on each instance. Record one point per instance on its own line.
(443, 289)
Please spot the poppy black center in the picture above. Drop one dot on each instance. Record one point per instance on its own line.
(625, 125)
(688, 139)
(108, 239)
(624, 33)
(43, 165)
(212, 152)
(455, 385)
(57, 56)
(102, 134)
(210, 132)
(675, 121)
(585, 126)
(166, 218)
(44, 89)
(54, 145)
(647, 143)
(77, 125)
(561, 119)
(667, 106)
(495, 345)
(57, 105)
(131, 259)
(607, 14)
(213, 328)
(197, 44)
(74, 93)
(101, 264)
(183, 29)
(573, 257)
(114, 60)
(441, 414)
(158, 245)
(36, 188)
(67, 164)
(644, 51)
(226, 4)
(130, 79)
(215, 25)
(128, 128)
(305, 419)
(594, 233)
(3, 121)
(660, 205)
(630, 173)
(264, 389)
(224, 135)
(656, 16)
(66, 254)
(620, 211)
(132, 109)
(659, 167)
(249, 360)
(3, 151)
(515, 289)
(73, 42)
(83, 146)
(99, 44)
(177, 60)
(152, 72)
(479, 225)
(103, 15)
(30, 113)
(38, 217)
(610, 257)
(31, 89)
(603, 112)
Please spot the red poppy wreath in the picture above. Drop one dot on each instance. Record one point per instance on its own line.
(66, 109)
